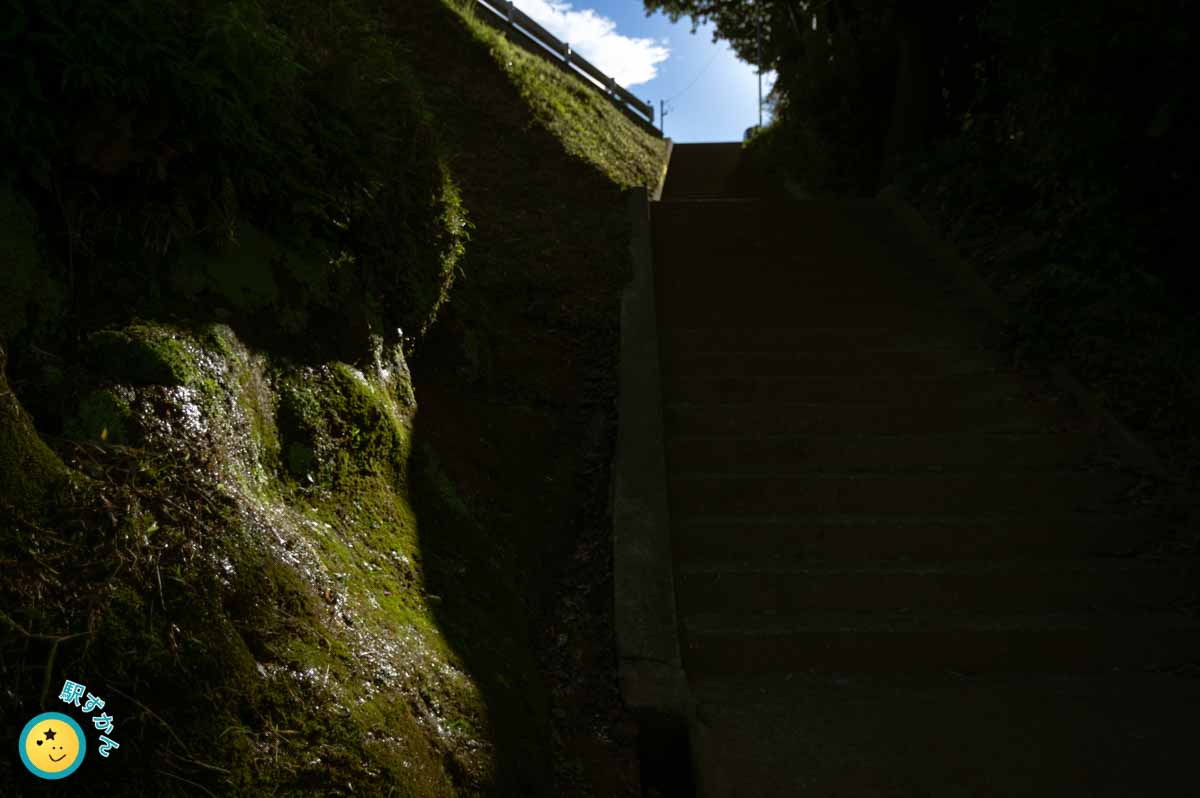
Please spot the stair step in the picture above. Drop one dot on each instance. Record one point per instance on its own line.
(796, 418)
(805, 302)
(806, 339)
(732, 243)
(911, 391)
(799, 290)
(714, 169)
(891, 494)
(869, 364)
(870, 642)
(825, 452)
(785, 735)
(772, 212)
(866, 508)
(855, 537)
(704, 270)
(825, 310)
(997, 586)
(816, 229)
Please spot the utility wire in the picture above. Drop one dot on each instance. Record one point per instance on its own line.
(698, 74)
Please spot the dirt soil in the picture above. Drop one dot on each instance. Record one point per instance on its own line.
(517, 395)
(513, 460)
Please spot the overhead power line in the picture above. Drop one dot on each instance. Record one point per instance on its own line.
(698, 75)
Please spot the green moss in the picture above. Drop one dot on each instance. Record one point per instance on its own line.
(221, 339)
(336, 422)
(427, 288)
(102, 416)
(246, 672)
(300, 459)
(302, 427)
(126, 625)
(141, 355)
(366, 422)
(250, 388)
(283, 631)
(299, 640)
(371, 540)
(28, 469)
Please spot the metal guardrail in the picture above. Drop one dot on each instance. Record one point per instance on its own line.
(504, 15)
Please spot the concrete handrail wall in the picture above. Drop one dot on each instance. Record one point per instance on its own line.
(653, 684)
(502, 14)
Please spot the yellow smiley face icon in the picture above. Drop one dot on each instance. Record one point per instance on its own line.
(52, 745)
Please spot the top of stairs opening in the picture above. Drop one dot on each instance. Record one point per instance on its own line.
(713, 171)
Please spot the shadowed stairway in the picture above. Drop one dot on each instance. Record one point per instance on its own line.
(902, 568)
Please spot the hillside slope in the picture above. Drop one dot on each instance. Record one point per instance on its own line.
(288, 563)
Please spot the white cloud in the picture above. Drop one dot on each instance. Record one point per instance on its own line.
(630, 61)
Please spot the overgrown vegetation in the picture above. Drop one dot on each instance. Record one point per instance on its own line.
(1068, 181)
(283, 144)
(1054, 144)
(590, 130)
(518, 386)
(228, 228)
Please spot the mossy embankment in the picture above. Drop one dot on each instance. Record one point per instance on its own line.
(289, 563)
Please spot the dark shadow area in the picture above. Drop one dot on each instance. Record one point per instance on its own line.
(664, 753)
(516, 386)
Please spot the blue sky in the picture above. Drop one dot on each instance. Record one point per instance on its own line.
(712, 95)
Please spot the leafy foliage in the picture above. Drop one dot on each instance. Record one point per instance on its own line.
(1069, 178)
(1053, 142)
(835, 65)
(146, 130)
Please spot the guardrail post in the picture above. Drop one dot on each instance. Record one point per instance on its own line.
(567, 52)
(509, 13)
(612, 86)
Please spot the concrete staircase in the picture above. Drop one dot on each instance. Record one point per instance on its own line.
(902, 567)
